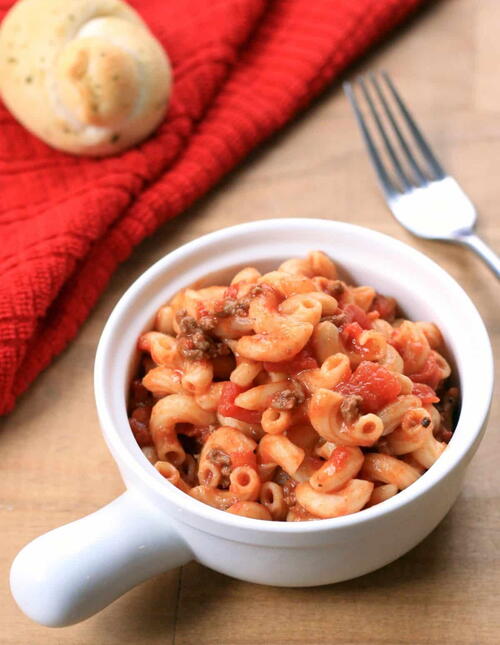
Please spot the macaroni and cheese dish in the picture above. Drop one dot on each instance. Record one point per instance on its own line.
(292, 395)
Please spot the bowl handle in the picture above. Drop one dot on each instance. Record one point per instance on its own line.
(76, 570)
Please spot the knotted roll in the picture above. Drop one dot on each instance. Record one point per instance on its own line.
(86, 76)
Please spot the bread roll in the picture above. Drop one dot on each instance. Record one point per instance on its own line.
(86, 76)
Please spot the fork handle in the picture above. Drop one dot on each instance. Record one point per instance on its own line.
(489, 257)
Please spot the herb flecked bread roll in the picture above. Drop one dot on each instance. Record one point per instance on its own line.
(86, 76)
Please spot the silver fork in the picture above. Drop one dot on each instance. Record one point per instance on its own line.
(422, 197)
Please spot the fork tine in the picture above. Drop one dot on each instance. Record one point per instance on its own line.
(388, 145)
(417, 134)
(421, 179)
(382, 175)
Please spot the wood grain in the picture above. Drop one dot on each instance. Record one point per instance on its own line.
(56, 468)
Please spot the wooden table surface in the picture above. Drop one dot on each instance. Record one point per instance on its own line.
(55, 466)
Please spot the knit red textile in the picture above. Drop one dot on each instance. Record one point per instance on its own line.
(242, 69)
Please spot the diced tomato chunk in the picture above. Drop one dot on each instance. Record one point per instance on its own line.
(201, 311)
(430, 374)
(385, 306)
(300, 362)
(227, 407)
(350, 334)
(376, 385)
(425, 393)
(355, 314)
(232, 291)
(244, 459)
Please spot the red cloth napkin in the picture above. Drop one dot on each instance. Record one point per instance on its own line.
(243, 68)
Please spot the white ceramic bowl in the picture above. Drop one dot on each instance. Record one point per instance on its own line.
(74, 571)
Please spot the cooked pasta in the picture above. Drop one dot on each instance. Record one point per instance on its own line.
(291, 395)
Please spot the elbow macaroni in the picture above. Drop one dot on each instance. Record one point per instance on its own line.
(290, 395)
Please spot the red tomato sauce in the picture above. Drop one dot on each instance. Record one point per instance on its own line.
(425, 393)
(355, 314)
(139, 424)
(244, 459)
(430, 374)
(339, 458)
(300, 362)
(384, 306)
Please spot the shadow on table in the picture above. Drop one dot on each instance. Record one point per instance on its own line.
(146, 612)
(151, 610)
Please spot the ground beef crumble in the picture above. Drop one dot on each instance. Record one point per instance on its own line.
(222, 459)
(195, 341)
(217, 456)
(208, 323)
(187, 324)
(289, 492)
(337, 319)
(290, 398)
(350, 407)
(232, 306)
(335, 288)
